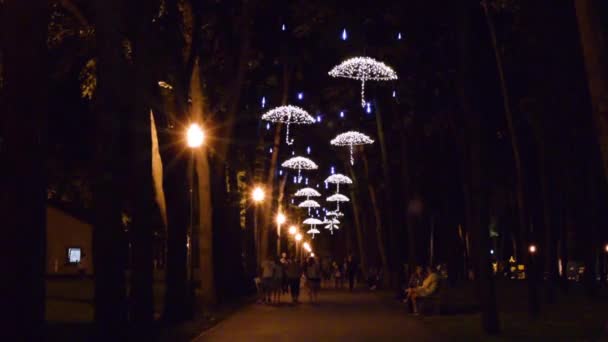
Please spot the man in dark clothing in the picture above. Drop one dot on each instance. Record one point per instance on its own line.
(293, 272)
(351, 272)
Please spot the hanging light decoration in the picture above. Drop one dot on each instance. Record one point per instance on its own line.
(300, 96)
(283, 27)
(342, 114)
(351, 139)
(368, 108)
(309, 204)
(363, 69)
(335, 213)
(337, 198)
(344, 35)
(399, 36)
(313, 222)
(308, 150)
(338, 179)
(263, 101)
(332, 224)
(288, 115)
(308, 193)
(299, 163)
(332, 170)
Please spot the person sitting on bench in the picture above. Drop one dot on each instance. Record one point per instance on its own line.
(429, 287)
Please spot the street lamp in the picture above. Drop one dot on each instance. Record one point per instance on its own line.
(532, 249)
(195, 138)
(280, 220)
(312, 254)
(258, 195)
(293, 230)
(298, 239)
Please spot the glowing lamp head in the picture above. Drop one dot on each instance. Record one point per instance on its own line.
(606, 248)
(293, 230)
(195, 136)
(306, 245)
(258, 194)
(298, 237)
(532, 249)
(312, 254)
(281, 218)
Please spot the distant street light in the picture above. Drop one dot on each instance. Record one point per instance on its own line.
(281, 218)
(532, 249)
(293, 230)
(258, 194)
(298, 237)
(312, 255)
(195, 136)
(606, 248)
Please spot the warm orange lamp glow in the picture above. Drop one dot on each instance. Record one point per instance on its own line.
(195, 136)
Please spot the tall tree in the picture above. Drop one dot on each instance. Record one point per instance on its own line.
(108, 259)
(23, 99)
(593, 41)
(380, 233)
(141, 180)
(469, 88)
(522, 208)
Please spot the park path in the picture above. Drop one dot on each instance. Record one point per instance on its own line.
(338, 316)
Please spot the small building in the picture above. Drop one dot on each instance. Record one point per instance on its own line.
(69, 242)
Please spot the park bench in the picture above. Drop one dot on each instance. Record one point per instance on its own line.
(432, 304)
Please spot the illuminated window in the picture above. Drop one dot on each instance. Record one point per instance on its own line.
(74, 255)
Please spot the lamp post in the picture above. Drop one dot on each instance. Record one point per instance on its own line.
(194, 139)
(280, 220)
(298, 239)
(605, 264)
(258, 195)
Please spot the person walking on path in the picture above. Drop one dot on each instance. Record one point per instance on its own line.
(268, 268)
(337, 271)
(277, 280)
(293, 273)
(284, 281)
(313, 278)
(351, 272)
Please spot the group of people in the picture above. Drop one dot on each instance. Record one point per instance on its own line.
(421, 284)
(343, 272)
(284, 275)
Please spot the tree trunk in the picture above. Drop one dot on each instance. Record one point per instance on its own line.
(469, 93)
(378, 221)
(140, 131)
(205, 205)
(357, 216)
(593, 36)
(108, 235)
(23, 33)
(268, 218)
(533, 302)
(392, 262)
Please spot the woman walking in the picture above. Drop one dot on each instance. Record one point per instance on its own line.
(313, 277)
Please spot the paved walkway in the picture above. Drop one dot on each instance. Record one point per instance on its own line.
(338, 316)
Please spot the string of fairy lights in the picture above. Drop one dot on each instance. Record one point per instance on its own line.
(363, 69)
